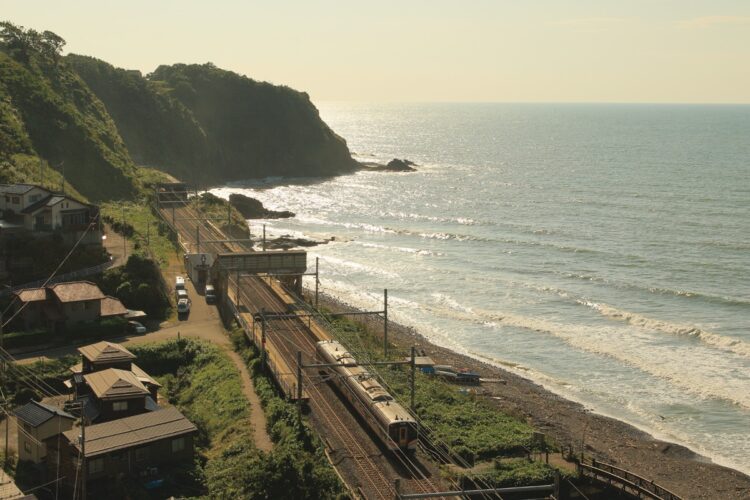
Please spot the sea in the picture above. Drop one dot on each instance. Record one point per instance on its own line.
(600, 250)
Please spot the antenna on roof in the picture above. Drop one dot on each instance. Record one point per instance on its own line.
(62, 181)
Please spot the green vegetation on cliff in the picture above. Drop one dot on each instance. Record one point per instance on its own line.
(185, 117)
(91, 121)
(47, 111)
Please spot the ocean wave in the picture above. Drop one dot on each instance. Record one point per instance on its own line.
(414, 251)
(715, 340)
(681, 369)
(686, 369)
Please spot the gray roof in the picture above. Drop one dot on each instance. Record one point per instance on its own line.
(132, 431)
(35, 413)
(18, 188)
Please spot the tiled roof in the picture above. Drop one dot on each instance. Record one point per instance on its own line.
(105, 352)
(32, 294)
(132, 431)
(75, 291)
(35, 413)
(112, 307)
(115, 384)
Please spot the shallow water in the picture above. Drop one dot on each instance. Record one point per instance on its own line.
(604, 249)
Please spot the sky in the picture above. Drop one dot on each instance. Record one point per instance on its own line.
(688, 51)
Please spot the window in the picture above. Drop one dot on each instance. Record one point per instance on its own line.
(27, 446)
(120, 405)
(34, 198)
(15, 200)
(178, 445)
(96, 465)
(141, 454)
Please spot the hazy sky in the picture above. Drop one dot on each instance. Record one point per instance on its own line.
(470, 50)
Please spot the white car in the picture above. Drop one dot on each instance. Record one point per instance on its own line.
(136, 327)
(183, 306)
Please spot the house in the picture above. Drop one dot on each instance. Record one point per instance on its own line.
(42, 211)
(17, 197)
(37, 422)
(126, 448)
(65, 304)
(110, 385)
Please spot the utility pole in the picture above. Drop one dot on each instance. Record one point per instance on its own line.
(229, 213)
(173, 218)
(124, 236)
(264, 237)
(198, 237)
(148, 233)
(237, 293)
(299, 387)
(317, 282)
(263, 334)
(413, 374)
(41, 173)
(84, 471)
(385, 323)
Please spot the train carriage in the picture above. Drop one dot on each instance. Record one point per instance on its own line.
(386, 417)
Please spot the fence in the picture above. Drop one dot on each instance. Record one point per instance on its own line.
(625, 480)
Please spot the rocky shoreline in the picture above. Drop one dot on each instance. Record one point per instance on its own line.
(572, 426)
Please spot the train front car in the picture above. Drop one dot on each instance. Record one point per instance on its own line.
(390, 421)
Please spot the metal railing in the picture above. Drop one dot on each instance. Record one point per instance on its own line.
(625, 480)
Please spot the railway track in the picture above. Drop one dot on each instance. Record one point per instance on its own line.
(292, 335)
(343, 431)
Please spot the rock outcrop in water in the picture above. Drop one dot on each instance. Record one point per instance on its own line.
(250, 208)
(395, 165)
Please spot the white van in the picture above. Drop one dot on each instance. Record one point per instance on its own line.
(182, 294)
(210, 294)
(179, 283)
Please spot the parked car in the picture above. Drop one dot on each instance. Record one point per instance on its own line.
(183, 306)
(182, 294)
(210, 294)
(136, 327)
(179, 283)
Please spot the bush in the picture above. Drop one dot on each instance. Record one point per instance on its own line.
(15, 340)
(138, 285)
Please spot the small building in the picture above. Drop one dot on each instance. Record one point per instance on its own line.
(103, 355)
(198, 266)
(42, 210)
(122, 449)
(36, 422)
(65, 304)
(110, 385)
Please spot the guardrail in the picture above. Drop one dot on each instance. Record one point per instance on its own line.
(625, 480)
(73, 275)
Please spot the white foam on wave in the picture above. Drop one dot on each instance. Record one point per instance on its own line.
(703, 373)
(340, 265)
(736, 346)
(415, 251)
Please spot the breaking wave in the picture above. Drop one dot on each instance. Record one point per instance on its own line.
(727, 343)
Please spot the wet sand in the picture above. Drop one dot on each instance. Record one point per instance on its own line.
(572, 426)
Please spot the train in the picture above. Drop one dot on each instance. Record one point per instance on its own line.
(390, 421)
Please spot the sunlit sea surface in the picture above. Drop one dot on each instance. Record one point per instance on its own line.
(600, 250)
